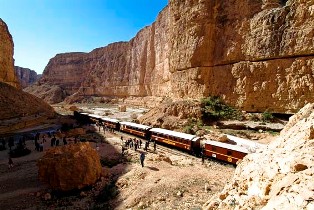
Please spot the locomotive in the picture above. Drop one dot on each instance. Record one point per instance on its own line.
(192, 144)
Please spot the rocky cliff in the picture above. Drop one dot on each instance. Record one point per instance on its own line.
(280, 176)
(258, 55)
(7, 73)
(26, 76)
(17, 109)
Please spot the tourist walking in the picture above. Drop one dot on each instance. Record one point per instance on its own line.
(10, 162)
(142, 158)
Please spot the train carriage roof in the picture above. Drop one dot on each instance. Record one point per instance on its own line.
(95, 116)
(238, 148)
(175, 134)
(84, 113)
(245, 142)
(110, 119)
(145, 127)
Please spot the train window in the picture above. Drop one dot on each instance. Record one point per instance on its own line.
(229, 152)
(213, 148)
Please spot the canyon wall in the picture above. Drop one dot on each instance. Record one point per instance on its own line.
(256, 54)
(7, 73)
(18, 109)
(26, 76)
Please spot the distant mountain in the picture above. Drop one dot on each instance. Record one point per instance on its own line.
(26, 76)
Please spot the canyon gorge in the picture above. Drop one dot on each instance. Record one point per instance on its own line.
(26, 76)
(257, 55)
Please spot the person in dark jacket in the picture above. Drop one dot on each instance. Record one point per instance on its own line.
(142, 158)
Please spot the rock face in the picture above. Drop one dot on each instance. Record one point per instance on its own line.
(70, 167)
(257, 55)
(15, 103)
(281, 176)
(7, 73)
(171, 115)
(50, 93)
(17, 109)
(26, 76)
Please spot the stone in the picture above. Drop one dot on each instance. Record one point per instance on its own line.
(279, 176)
(52, 94)
(69, 167)
(47, 196)
(223, 138)
(20, 110)
(7, 73)
(26, 76)
(256, 55)
(179, 194)
(141, 205)
(122, 108)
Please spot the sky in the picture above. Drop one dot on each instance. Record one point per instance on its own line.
(43, 28)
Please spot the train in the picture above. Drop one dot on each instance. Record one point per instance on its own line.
(231, 152)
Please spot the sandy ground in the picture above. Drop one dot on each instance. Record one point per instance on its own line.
(169, 180)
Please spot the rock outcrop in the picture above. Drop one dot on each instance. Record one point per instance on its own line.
(171, 115)
(280, 176)
(17, 109)
(256, 55)
(70, 167)
(7, 73)
(49, 93)
(26, 76)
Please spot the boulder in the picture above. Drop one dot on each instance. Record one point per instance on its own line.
(122, 108)
(69, 167)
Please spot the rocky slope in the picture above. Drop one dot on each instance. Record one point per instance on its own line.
(15, 103)
(26, 76)
(258, 55)
(17, 109)
(281, 176)
(7, 73)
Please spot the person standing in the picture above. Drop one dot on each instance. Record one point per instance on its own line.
(65, 141)
(155, 146)
(10, 162)
(142, 158)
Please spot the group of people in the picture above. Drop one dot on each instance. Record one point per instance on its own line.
(132, 143)
(104, 127)
(137, 144)
(54, 141)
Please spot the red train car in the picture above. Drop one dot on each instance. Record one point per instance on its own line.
(110, 123)
(226, 152)
(134, 129)
(180, 140)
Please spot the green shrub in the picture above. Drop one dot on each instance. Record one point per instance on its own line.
(267, 116)
(214, 108)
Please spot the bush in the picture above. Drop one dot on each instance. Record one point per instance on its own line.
(267, 116)
(213, 109)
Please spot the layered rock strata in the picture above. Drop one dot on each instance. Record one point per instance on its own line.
(7, 73)
(280, 176)
(257, 55)
(26, 76)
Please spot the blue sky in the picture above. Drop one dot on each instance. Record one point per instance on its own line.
(43, 28)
